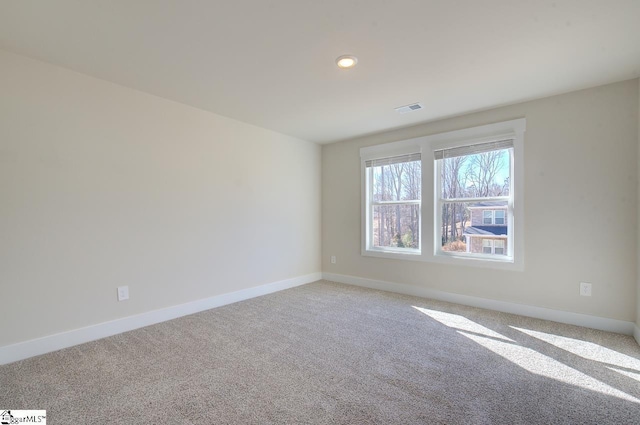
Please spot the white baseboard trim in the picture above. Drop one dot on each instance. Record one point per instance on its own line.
(636, 333)
(49, 343)
(595, 322)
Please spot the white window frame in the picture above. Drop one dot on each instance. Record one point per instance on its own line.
(371, 206)
(429, 235)
(504, 217)
(380, 152)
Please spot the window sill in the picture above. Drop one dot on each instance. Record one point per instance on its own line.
(507, 263)
(379, 253)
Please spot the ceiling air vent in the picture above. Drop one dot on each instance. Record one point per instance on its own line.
(409, 108)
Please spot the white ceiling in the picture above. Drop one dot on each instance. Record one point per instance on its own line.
(271, 62)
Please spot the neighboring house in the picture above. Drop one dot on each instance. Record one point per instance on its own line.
(488, 231)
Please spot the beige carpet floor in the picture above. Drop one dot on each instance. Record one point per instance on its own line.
(327, 353)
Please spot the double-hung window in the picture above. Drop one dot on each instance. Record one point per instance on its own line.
(471, 177)
(393, 199)
(453, 197)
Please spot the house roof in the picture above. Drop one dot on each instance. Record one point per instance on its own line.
(486, 230)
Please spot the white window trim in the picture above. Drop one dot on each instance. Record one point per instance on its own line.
(405, 147)
(514, 129)
(504, 216)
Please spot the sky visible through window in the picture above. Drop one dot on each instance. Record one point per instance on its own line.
(479, 175)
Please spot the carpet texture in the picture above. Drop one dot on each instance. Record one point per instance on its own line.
(327, 353)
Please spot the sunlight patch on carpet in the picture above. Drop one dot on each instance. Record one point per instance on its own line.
(462, 323)
(586, 350)
(627, 373)
(546, 366)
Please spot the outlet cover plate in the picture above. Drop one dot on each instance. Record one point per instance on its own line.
(123, 293)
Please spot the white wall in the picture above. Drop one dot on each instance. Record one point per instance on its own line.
(102, 186)
(581, 165)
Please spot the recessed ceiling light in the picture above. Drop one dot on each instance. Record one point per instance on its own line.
(346, 61)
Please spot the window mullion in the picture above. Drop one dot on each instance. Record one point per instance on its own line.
(409, 202)
(370, 224)
(477, 199)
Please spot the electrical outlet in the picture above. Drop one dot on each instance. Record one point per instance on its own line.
(123, 293)
(585, 289)
(333, 259)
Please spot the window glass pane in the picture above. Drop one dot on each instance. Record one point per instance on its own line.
(397, 182)
(499, 247)
(463, 229)
(396, 226)
(455, 219)
(475, 176)
(487, 217)
(499, 217)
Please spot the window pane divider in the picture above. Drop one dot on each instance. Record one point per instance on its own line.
(412, 202)
(481, 199)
